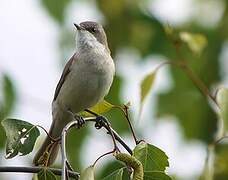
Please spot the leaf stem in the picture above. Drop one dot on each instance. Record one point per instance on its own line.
(105, 154)
(52, 139)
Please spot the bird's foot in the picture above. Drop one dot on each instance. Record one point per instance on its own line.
(80, 121)
(100, 122)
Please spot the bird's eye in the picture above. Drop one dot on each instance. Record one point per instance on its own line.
(93, 30)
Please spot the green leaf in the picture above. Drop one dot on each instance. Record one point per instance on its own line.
(100, 108)
(151, 157)
(156, 175)
(46, 174)
(145, 87)
(88, 173)
(21, 137)
(222, 100)
(116, 175)
(195, 42)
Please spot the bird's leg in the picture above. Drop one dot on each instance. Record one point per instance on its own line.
(80, 120)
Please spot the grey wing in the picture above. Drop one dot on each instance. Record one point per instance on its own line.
(66, 71)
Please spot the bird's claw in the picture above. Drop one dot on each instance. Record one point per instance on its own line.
(80, 120)
(100, 122)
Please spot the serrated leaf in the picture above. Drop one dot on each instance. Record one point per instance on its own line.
(195, 42)
(21, 137)
(145, 87)
(151, 157)
(156, 175)
(100, 108)
(222, 100)
(46, 174)
(116, 175)
(88, 173)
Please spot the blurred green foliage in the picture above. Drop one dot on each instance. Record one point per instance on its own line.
(7, 102)
(221, 159)
(129, 24)
(56, 8)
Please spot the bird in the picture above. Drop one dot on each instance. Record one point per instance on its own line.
(85, 81)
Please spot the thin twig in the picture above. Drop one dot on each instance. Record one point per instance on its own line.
(104, 124)
(124, 110)
(105, 154)
(220, 139)
(36, 169)
(108, 128)
(52, 139)
(121, 141)
(63, 149)
(116, 135)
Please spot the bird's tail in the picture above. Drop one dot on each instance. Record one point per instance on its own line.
(48, 151)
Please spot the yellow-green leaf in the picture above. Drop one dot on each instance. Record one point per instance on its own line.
(100, 108)
(145, 87)
(87, 174)
(196, 42)
(222, 100)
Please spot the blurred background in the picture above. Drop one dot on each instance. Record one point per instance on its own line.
(37, 38)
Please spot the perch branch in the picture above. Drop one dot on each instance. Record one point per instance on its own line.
(65, 163)
(116, 135)
(36, 169)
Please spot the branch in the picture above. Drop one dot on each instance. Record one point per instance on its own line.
(116, 135)
(99, 124)
(36, 169)
(63, 149)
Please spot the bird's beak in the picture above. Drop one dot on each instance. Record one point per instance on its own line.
(78, 26)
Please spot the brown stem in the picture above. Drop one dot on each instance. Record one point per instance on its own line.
(116, 135)
(105, 154)
(124, 110)
(52, 139)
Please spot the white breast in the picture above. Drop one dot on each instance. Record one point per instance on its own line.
(89, 80)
